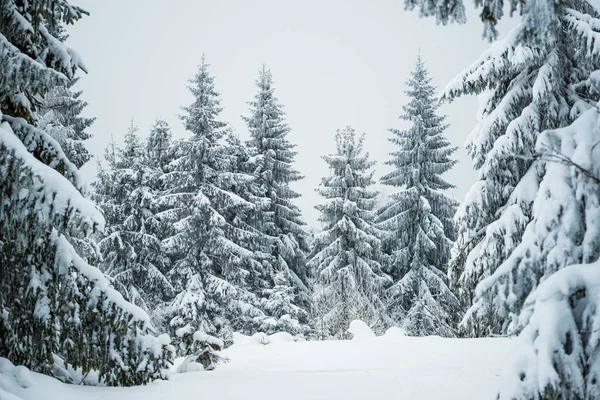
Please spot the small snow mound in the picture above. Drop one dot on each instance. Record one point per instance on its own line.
(281, 337)
(360, 330)
(8, 396)
(23, 376)
(260, 338)
(240, 339)
(189, 364)
(5, 366)
(394, 332)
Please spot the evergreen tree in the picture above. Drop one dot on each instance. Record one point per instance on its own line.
(159, 152)
(559, 320)
(133, 257)
(264, 298)
(59, 114)
(54, 305)
(534, 86)
(419, 216)
(281, 220)
(528, 223)
(346, 253)
(210, 247)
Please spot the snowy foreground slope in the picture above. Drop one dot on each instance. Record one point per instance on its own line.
(384, 367)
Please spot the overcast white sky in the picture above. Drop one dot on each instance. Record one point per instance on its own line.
(334, 62)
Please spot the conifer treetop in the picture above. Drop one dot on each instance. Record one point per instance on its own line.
(201, 117)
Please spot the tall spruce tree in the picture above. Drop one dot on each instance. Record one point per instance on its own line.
(264, 298)
(158, 154)
(54, 306)
(529, 226)
(346, 254)
(210, 247)
(418, 218)
(281, 219)
(133, 257)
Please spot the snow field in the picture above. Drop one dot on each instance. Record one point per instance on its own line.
(393, 366)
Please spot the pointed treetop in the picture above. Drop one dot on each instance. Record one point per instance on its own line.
(265, 79)
(201, 116)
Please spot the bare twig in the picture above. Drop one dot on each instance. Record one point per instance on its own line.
(554, 156)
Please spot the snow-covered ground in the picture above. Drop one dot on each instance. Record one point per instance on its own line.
(371, 368)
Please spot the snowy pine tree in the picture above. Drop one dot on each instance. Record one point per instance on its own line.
(53, 304)
(211, 246)
(159, 151)
(59, 115)
(264, 298)
(346, 253)
(532, 219)
(559, 319)
(133, 256)
(281, 220)
(531, 87)
(418, 218)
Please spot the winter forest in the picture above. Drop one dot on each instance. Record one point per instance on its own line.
(186, 253)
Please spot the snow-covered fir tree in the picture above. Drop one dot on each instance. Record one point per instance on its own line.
(417, 218)
(159, 152)
(559, 319)
(211, 244)
(55, 307)
(273, 156)
(132, 252)
(59, 114)
(538, 70)
(265, 298)
(532, 219)
(346, 254)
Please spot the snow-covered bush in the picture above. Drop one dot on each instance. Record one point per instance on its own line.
(191, 342)
(360, 330)
(199, 348)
